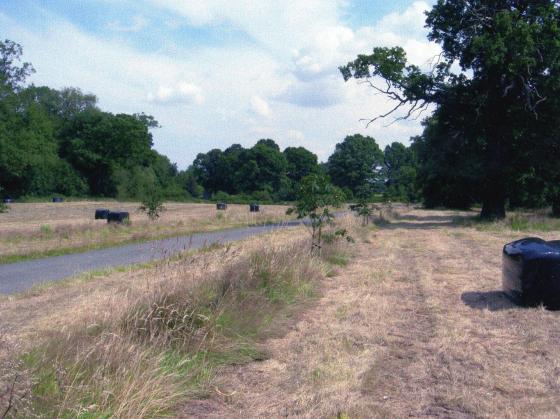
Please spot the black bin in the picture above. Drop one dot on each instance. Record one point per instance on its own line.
(254, 207)
(531, 272)
(117, 217)
(58, 199)
(101, 214)
(221, 206)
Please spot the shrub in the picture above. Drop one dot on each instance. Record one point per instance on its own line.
(152, 204)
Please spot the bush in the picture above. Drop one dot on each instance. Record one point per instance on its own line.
(152, 204)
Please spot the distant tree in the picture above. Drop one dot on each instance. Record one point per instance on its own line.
(301, 162)
(211, 170)
(356, 163)
(400, 168)
(272, 165)
(12, 75)
(98, 144)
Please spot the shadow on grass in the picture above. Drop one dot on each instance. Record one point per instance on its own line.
(442, 218)
(491, 300)
(419, 222)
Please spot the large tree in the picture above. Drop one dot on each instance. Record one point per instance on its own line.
(356, 164)
(508, 52)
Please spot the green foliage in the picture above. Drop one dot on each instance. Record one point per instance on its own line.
(356, 164)
(364, 209)
(260, 170)
(498, 110)
(400, 170)
(315, 195)
(152, 204)
(60, 142)
(3, 207)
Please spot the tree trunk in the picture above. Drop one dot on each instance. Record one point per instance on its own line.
(493, 207)
(556, 206)
(494, 188)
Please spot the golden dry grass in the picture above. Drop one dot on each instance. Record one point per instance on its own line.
(416, 326)
(135, 343)
(39, 228)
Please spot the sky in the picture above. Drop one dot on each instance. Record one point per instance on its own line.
(219, 72)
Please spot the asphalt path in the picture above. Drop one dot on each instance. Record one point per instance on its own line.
(19, 276)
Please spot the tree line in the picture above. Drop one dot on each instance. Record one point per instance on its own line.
(493, 138)
(60, 142)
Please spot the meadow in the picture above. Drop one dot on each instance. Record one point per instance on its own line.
(409, 320)
(30, 230)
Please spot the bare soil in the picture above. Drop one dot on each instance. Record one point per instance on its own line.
(415, 326)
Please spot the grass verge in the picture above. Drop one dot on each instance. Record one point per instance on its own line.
(516, 221)
(151, 353)
(108, 242)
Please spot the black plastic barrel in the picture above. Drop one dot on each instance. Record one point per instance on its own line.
(531, 272)
(101, 214)
(221, 206)
(117, 217)
(58, 199)
(254, 207)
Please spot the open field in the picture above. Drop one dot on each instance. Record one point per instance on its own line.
(416, 326)
(408, 321)
(42, 229)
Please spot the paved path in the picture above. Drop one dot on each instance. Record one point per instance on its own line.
(17, 277)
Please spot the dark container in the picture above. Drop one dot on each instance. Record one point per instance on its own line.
(254, 207)
(531, 272)
(58, 199)
(221, 206)
(8, 200)
(117, 217)
(101, 214)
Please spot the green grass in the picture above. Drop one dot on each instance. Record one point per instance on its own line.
(521, 222)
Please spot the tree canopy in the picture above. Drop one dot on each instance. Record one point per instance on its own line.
(356, 164)
(508, 53)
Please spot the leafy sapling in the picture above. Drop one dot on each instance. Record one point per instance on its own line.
(315, 195)
(152, 204)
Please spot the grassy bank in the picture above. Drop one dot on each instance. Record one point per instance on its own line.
(31, 231)
(144, 354)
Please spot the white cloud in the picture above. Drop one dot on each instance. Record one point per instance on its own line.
(182, 92)
(260, 106)
(321, 93)
(138, 23)
(285, 85)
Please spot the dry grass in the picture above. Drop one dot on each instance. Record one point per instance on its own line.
(416, 326)
(137, 343)
(49, 228)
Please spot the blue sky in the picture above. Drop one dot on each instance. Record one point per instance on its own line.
(218, 72)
